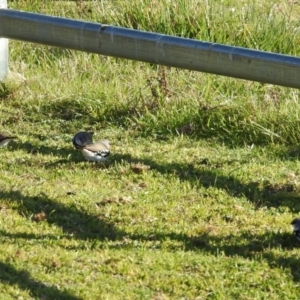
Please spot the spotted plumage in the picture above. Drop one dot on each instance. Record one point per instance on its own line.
(97, 152)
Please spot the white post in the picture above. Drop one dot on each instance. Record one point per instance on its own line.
(3, 49)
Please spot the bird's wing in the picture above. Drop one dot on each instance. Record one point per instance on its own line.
(99, 146)
(105, 143)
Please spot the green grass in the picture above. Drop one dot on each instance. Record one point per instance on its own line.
(203, 180)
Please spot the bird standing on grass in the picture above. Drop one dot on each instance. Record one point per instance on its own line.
(97, 152)
(82, 138)
(5, 139)
(296, 225)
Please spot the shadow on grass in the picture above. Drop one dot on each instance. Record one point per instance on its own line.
(253, 247)
(37, 289)
(71, 154)
(73, 220)
(246, 245)
(78, 224)
(79, 158)
(42, 149)
(207, 176)
(289, 153)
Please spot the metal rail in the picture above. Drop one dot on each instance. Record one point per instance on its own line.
(151, 47)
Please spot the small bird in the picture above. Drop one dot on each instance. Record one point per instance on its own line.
(296, 224)
(5, 139)
(97, 152)
(82, 139)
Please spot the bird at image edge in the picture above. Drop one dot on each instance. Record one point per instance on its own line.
(5, 139)
(296, 225)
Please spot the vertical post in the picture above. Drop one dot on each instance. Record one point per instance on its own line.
(3, 49)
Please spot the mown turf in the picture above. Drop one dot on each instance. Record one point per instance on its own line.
(203, 180)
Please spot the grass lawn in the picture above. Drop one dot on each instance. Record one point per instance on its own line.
(203, 181)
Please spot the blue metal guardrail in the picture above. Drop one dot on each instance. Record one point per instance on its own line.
(151, 47)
